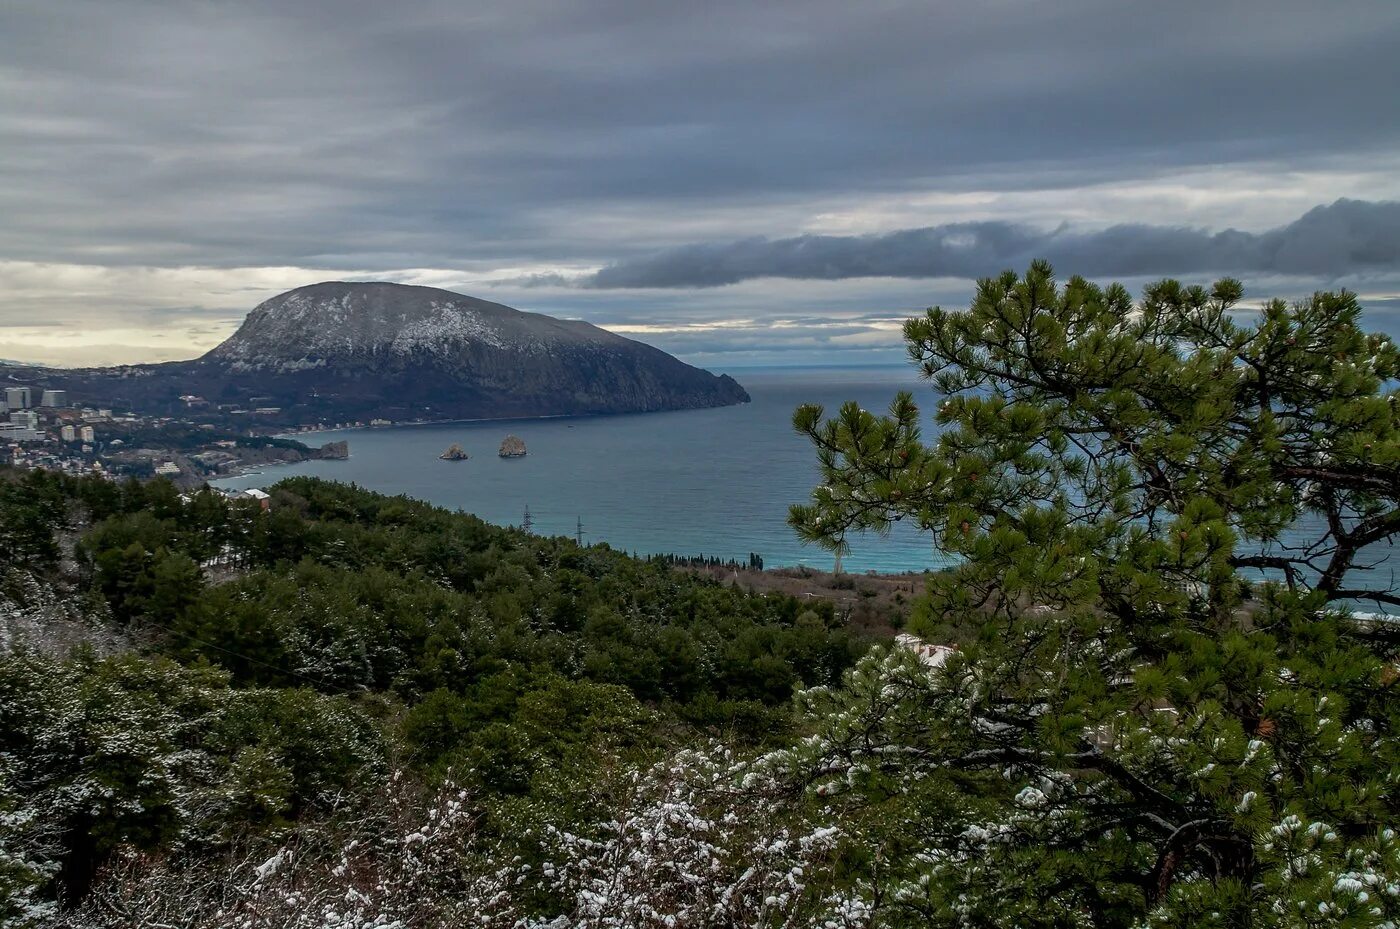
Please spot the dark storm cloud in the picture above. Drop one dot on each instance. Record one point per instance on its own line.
(368, 135)
(1346, 237)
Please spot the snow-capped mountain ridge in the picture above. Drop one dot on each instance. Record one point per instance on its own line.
(341, 321)
(346, 351)
(437, 353)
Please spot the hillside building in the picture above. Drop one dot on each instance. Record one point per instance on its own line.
(22, 427)
(935, 656)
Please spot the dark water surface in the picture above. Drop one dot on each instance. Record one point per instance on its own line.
(712, 482)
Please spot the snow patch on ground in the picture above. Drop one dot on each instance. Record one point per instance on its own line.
(445, 330)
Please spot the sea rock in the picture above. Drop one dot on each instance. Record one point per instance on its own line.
(512, 446)
(336, 451)
(454, 453)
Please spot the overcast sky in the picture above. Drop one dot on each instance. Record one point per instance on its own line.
(737, 182)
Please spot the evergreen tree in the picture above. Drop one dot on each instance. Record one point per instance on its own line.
(1139, 724)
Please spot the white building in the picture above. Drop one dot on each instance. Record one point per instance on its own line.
(166, 467)
(19, 398)
(54, 398)
(22, 427)
(87, 434)
(263, 497)
(935, 656)
(68, 434)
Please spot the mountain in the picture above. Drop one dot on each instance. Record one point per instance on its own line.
(341, 351)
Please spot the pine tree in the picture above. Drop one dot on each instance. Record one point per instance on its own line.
(1161, 710)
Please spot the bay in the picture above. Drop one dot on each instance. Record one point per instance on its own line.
(696, 482)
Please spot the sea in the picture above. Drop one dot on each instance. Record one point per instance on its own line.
(712, 483)
(697, 483)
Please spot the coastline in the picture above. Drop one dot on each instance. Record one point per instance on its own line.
(712, 481)
(543, 417)
(869, 596)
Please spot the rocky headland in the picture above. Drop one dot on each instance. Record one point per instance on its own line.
(360, 351)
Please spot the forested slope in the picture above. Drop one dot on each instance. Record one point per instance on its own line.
(188, 679)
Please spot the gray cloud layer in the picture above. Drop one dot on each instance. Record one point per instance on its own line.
(436, 133)
(1346, 237)
(186, 157)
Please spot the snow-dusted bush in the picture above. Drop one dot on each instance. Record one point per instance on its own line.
(689, 844)
(694, 841)
(403, 860)
(972, 816)
(128, 754)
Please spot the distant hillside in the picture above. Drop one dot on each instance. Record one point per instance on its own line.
(344, 351)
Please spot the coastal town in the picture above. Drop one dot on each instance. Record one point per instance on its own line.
(41, 428)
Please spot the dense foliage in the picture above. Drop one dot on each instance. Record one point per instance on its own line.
(273, 663)
(1139, 727)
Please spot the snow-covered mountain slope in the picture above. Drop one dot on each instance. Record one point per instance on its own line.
(363, 322)
(342, 351)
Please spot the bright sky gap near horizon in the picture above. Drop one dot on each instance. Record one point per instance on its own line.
(736, 183)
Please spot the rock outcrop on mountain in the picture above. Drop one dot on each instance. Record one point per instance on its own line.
(342, 351)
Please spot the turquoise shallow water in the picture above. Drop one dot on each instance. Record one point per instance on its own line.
(712, 482)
